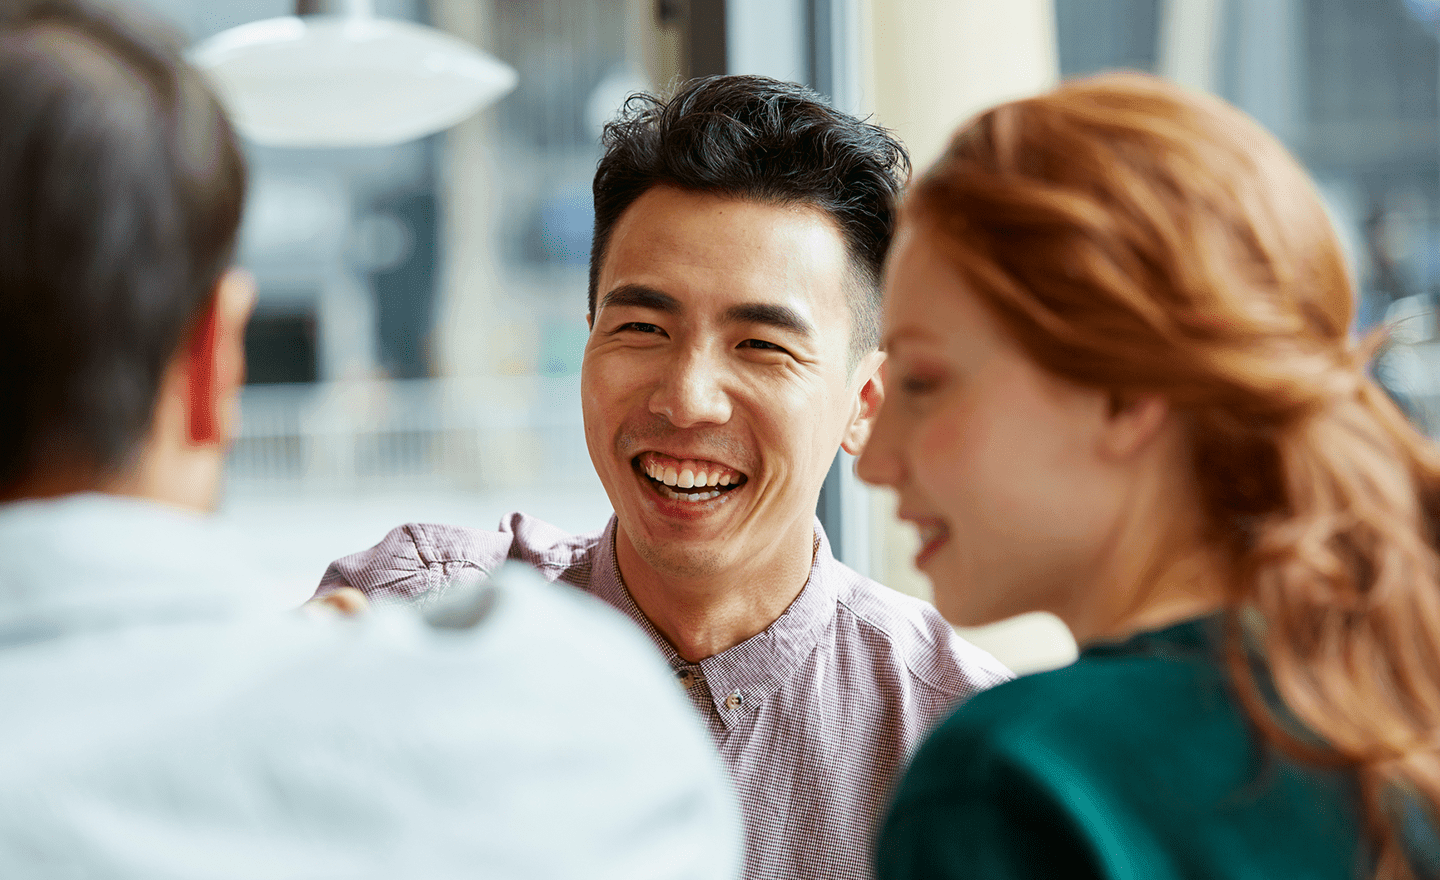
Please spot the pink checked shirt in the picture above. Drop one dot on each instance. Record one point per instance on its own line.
(814, 717)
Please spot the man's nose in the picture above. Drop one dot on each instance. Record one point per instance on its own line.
(693, 392)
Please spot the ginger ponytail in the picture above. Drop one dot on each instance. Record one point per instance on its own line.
(1136, 237)
(1344, 583)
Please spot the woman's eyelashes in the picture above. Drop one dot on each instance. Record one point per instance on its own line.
(917, 385)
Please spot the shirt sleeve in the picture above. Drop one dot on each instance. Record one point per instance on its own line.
(415, 562)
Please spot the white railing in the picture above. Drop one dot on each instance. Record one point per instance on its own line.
(469, 434)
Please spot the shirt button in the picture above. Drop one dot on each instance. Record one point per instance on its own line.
(735, 701)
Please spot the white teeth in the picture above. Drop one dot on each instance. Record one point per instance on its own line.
(690, 496)
(689, 475)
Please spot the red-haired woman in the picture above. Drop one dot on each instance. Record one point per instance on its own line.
(1121, 388)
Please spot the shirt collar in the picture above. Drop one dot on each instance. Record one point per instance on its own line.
(742, 677)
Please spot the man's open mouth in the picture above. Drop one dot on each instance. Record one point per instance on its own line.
(687, 479)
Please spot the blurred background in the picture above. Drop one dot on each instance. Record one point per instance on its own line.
(415, 353)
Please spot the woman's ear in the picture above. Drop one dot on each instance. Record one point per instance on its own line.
(1133, 422)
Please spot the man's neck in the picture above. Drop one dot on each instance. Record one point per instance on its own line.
(174, 473)
(37, 487)
(705, 615)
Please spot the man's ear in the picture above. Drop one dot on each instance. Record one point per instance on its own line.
(1132, 422)
(870, 374)
(590, 320)
(215, 360)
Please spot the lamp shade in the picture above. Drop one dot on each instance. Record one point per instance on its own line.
(347, 80)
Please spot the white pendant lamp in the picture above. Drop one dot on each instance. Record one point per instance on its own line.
(350, 80)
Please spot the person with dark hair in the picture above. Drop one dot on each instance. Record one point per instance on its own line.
(740, 230)
(1124, 391)
(759, 140)
(159, 718)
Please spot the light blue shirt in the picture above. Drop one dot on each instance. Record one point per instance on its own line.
(157, 720)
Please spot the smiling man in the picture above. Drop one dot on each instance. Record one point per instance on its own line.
(160, 717)
(740, 229)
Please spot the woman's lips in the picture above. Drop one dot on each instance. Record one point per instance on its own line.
(933, 535)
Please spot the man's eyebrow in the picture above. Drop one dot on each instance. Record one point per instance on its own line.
(771, 315)
(641, 297)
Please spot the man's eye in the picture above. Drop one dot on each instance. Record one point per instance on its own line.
(761, 345)
(638, 327)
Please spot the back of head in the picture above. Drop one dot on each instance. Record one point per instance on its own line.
(751, 137)
(1138, 238)
(121, 186)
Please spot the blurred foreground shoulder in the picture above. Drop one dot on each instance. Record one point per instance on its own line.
(563, 731)
(519, 730)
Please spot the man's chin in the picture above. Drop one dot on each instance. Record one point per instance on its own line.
(680, 559)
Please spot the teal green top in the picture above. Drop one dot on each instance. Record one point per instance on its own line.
(1134, 762)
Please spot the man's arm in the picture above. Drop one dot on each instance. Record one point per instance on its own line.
(415, 563)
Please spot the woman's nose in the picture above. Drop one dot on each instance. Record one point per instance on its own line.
(880, 463)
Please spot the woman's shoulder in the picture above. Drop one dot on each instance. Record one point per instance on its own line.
(1101, 691)
(1032, 778)
(1133, 761)
(1153, 714)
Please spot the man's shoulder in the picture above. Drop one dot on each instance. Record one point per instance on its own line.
(528, 634)
(415, 562)
(435, 727)
(517, 612)
(501, 678)
(510, 642)
(917, 636)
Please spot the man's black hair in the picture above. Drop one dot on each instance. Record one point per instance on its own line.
(121, 188)
(752, 137)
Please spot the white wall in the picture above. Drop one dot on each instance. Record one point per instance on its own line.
(930, 65)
